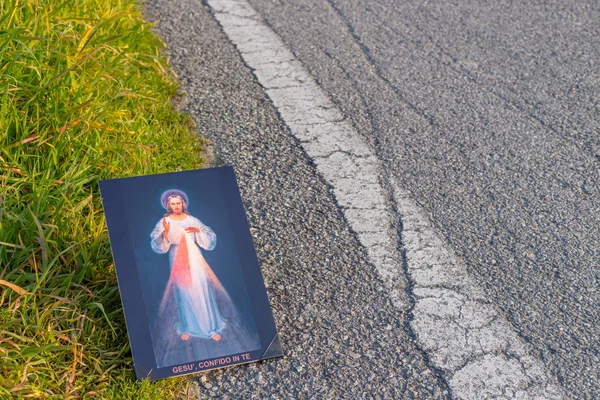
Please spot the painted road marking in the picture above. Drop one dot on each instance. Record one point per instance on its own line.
(478, 353)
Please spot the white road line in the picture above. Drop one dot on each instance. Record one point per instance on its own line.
(465, 337)
(478, 352)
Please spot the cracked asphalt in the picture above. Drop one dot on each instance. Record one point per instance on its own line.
(487, 115)
(483, 115)
(475, 351)
(341, 334)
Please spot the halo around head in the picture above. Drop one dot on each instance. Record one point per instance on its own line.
(172, 192)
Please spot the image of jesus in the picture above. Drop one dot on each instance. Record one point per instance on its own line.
(195, 306)
(192, 282)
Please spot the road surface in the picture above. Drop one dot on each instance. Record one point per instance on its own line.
(422, 185)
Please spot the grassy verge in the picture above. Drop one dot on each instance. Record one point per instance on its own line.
(84, 95)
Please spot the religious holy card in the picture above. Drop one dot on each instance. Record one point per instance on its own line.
(191, 286)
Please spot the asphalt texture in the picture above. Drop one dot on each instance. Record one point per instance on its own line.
(341, 335)
(487, 114)
(478, 353)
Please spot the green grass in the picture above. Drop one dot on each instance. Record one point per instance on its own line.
(84, 95)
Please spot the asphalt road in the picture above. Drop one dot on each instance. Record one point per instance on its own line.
(486, 114)
(341, 335)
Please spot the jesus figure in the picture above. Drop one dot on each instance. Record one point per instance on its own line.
(197, 293)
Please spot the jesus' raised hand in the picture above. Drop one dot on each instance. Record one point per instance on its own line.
(167, 226)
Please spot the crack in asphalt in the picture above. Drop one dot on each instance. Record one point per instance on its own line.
(367, 54)
(486, 344)
(442, 381)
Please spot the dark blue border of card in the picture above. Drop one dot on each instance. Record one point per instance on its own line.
(131, 291)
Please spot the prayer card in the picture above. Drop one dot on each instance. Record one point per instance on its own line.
(191, 286)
